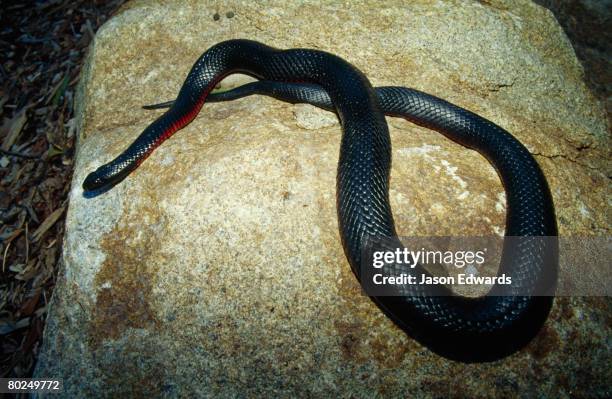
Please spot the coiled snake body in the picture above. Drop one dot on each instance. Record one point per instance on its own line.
(461, 328)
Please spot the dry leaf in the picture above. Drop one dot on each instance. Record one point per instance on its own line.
(11, 235)
(41, 311)
(6, 327)
(15, 126)
(28, 307)
(33, 335)
(49, 221)
(17, 267)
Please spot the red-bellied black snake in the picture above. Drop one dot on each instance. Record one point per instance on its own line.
(461, 328)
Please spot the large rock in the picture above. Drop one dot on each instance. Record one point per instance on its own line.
(216, 269)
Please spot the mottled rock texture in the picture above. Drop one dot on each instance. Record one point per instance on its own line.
(587, 24)
(216, 269)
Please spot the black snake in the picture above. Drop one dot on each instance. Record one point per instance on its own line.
(461, 328)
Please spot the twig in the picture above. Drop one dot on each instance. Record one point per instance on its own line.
(27, 244)
(4, 257)
(18, 155)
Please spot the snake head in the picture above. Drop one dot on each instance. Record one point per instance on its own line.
(93, 181)
(108, 175)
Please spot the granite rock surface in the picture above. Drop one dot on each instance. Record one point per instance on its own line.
(216, 268)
